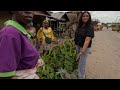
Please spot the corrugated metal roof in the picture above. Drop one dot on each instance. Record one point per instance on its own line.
(41, 13)
(59, 15)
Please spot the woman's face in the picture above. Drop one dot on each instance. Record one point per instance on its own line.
(85, 17)
(46, 24)
(24, 16)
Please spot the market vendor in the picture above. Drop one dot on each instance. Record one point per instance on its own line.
(18, 58)
(44, 32)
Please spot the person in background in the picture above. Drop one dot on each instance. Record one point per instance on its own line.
(107, 26)
(90, 51)
(37, 27)
(32, 31)
(61, 31)
(18, 58)
(83, 41)
(43, 32)
(58, 33)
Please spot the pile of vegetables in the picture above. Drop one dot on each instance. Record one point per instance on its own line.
(60, 62)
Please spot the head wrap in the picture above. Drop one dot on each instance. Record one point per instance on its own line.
(45, 21)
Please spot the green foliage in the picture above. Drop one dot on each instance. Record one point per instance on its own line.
(60, 62)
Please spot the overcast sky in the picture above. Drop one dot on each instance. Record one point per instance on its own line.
(104, 16)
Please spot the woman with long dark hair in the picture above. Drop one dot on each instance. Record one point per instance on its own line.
(83, 41)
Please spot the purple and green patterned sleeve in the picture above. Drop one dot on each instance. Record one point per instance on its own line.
(9, 55)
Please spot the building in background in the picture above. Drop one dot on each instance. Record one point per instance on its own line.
(58, 19)
(4, 16)
(38, 18)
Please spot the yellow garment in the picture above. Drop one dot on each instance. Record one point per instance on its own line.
(48, 32)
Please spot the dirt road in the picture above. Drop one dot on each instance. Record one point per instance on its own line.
(104, 61)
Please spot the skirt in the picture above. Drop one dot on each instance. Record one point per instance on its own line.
(29, 73)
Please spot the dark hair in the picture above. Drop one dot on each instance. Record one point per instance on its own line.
(80, 23)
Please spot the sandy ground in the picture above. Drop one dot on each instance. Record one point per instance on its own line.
(104, 61)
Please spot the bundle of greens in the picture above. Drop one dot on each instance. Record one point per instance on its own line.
(60, 62)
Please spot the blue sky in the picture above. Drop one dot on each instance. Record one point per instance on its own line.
(103, 16)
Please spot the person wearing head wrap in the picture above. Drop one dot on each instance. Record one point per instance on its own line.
(48, 33)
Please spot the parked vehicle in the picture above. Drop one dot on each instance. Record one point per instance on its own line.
(115, 28)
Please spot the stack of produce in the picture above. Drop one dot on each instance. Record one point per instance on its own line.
(60, 62)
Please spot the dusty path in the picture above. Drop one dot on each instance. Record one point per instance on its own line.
(104, 62)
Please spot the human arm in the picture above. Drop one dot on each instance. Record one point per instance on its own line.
(89, 36)
(39, 37)
(85, 46)
(52, 35)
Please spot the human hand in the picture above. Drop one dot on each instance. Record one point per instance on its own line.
(39, 63)
(78, 56)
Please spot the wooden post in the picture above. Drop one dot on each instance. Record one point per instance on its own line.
(50, 22)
